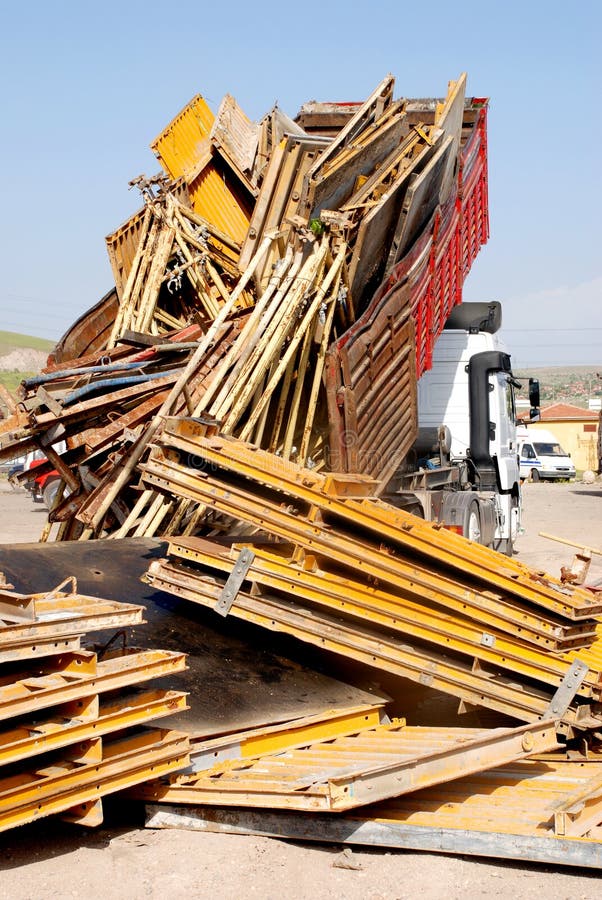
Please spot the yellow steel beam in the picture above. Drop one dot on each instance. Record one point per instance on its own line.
(323, 726)
(314, 536)
(377, 606)
(125, 762)
(86, 720)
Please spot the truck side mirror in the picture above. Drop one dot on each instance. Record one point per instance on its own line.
(534, 392)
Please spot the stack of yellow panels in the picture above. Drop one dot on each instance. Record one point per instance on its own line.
(71, 719)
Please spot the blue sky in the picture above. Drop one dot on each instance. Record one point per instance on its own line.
(86, 88)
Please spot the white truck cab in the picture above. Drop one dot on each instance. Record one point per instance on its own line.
(541, 456)
(467, 477)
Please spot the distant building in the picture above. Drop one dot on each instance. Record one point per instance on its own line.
(576, 430)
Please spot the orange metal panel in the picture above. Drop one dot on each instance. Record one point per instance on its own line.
(182, 145)
(216, 197)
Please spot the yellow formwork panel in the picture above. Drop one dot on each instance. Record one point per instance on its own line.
(101, 769)
(391, 654)
(348, 498)
(75, 675)
(517, 811)
(213, 196)
(355, 769)
(377, 606)
(182, 145)
(246, 501)
(84, 720)
(184, 149)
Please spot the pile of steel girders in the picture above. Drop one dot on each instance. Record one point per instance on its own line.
(72, 719)
(278, 276)
(358, 576)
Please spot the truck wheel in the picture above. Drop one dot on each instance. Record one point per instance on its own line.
(472, 523)
(535, 475)
(50, 490)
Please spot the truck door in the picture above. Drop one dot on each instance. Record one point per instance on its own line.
(503, 444)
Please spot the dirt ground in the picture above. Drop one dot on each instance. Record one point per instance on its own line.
(122, 859)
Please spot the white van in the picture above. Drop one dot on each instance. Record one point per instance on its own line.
(541, 456)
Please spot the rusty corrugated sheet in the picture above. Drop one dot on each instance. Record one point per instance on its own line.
(372, 390)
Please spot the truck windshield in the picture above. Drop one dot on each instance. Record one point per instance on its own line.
(549, 450)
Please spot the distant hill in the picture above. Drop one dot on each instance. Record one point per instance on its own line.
(21, 355)
(563, 384)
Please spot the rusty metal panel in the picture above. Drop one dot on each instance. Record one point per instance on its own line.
(182, 148)
(234, 135)
(371, 390)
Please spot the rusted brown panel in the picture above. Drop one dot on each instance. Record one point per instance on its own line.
(89, 333)
(371, 380)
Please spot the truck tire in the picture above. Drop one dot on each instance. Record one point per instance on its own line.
(535, 476)
(50, 490)
(472, 523)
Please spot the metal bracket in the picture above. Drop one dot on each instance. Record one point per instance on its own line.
(235, 579)
(567, 689)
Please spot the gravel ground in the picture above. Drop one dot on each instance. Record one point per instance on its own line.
(51, 859)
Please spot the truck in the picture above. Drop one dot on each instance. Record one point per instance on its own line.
(541, 456)
(463, 468)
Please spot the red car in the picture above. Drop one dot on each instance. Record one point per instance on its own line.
(44, 487)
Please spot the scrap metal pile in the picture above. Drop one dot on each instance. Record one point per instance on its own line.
(72, 718)
(246, 393)
(286, 279)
